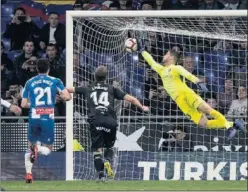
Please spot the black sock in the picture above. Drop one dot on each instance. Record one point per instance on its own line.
(108, 154)
(98, 162)
(100, 174)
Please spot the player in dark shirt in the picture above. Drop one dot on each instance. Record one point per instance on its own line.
(102, 117)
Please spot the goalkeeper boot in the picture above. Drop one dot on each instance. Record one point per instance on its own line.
(34, 153)
(29, 178)
(238, 125)
(231, 132)
(109, 170)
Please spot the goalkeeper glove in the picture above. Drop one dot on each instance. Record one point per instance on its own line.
(202, 87)
(140, 46)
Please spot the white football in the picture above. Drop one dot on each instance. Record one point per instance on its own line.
(131, 45)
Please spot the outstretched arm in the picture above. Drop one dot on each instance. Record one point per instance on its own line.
(120, 95)
(65, 94)
(79, 90)
(154, 65)
(13, 108)
(183, 72)
(71, 89)
(135, 102)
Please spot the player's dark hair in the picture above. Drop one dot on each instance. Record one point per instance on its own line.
(42, 65)
(101, 73)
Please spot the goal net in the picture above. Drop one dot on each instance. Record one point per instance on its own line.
(163, 144)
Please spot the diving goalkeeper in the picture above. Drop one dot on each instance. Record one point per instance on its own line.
(191, 104)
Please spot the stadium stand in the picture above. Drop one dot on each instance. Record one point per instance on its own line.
(7, 10)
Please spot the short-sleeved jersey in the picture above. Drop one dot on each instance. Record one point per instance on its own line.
(101, 96)
(171, 76)
(41, 92)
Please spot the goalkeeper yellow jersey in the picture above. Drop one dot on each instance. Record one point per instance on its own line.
(171, 76)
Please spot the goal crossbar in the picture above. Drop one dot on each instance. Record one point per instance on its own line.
(169, 13)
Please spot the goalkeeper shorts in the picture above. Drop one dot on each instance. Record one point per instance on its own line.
(188, 102)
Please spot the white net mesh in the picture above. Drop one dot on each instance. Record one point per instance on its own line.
(214, 49)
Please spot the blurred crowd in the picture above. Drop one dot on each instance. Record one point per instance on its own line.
(29, 35)
(160, 4)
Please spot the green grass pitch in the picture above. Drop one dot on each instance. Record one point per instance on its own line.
(126, 185)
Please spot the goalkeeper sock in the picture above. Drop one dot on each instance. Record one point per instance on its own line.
(98, 161)
(108, 154)
(28, 164)
(219, 121)
(44, 150)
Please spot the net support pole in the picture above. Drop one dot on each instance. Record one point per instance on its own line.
(69, 104)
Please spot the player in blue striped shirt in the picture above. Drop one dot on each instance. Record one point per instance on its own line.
(39, 95)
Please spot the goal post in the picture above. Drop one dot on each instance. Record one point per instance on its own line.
(178, 23)
(69, 104)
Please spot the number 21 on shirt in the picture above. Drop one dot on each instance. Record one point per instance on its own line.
(40, 94)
